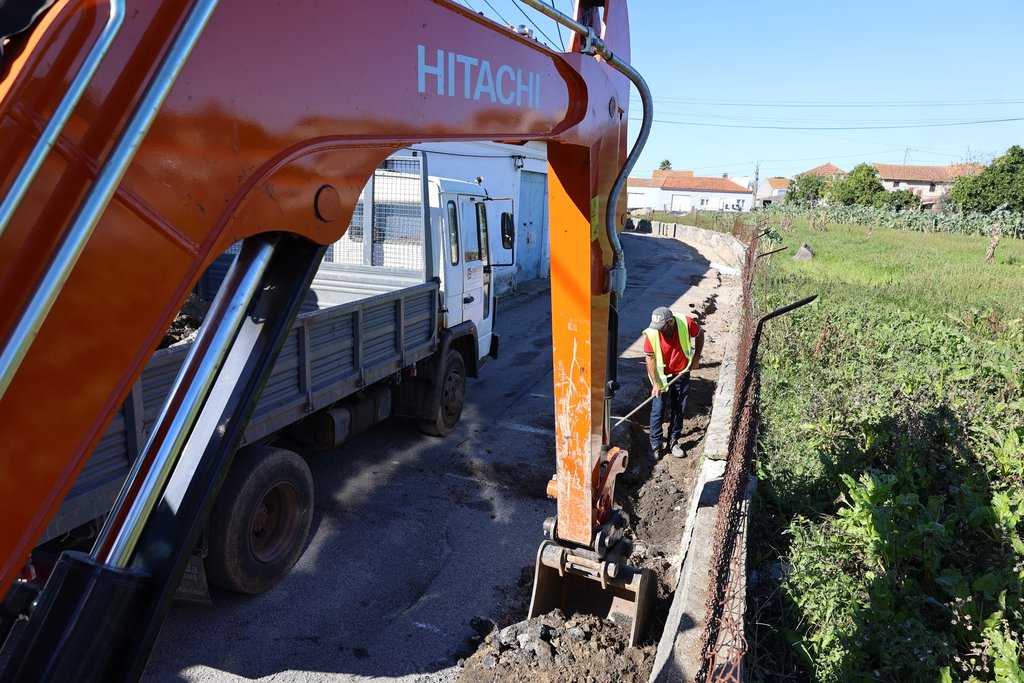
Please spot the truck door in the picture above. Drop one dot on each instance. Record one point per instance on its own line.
(476, 278)
(453, 277)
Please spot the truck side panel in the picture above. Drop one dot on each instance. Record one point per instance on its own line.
(328, 355)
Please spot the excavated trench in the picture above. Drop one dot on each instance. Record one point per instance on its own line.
(570, 648)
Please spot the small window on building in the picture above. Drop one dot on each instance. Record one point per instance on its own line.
(931, 188)
(895, 184)
(453, 233)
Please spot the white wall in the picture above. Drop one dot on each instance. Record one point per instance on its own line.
(662, 200)
(922, 189)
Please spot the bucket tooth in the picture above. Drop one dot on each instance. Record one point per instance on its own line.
(579, 585)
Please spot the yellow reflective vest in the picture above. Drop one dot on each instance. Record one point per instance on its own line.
(654, 336)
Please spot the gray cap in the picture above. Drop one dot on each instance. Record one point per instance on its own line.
(659, 317)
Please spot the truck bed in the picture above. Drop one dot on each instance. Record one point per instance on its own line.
(330, 353)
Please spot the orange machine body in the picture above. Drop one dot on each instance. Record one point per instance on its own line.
(275, 102)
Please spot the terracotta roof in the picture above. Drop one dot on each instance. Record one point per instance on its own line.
(779, 183)
(688, 182)
(827, 170)
(645, 182)
(929, 174)
(672, 174)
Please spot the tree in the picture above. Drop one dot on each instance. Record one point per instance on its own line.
(862, 186)
(806, 188)
(666, 165)
(897, 199)
(999, 185)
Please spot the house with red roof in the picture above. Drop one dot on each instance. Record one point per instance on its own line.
(828, 170)
(682, 192)
(927, 182)
(771, 191)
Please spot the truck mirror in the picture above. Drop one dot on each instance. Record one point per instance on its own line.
(508, 231)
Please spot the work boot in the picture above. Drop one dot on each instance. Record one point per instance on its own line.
(653, 452)
(678, 450)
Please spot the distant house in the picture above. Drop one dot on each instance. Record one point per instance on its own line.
(771, 190)
(828, 170)
(927, 182)
(682, 192)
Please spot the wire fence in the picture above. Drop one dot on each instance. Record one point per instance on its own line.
(723, 643)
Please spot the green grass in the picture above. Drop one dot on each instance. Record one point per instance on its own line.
(887, 539)
(934, 274)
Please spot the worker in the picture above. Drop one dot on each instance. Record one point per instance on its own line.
(672, 346)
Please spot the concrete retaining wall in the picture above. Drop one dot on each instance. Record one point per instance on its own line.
(679, 658)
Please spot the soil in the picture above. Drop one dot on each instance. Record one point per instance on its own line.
(578, 648)
(186, 325)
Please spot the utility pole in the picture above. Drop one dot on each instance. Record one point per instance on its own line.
(906, 153)
(757, 174)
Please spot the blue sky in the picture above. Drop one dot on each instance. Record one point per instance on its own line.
(793, 84)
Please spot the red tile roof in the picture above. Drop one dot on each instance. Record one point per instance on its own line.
(645, 182)
(672, 174)
(827, 170)
(928, 174)
(688, 183)
(779, 183)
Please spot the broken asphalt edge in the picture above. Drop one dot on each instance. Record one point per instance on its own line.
(678, 656)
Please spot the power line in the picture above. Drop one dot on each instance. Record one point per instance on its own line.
(521, 11)
(507, 23)
(839, 105)
(886, 127)
(558, 28)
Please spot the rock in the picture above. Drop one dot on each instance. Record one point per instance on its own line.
(543, 650)
(553, 620)
(576, 633)
(508, 635)
(526, 641)
(804, 253)
(489, 661)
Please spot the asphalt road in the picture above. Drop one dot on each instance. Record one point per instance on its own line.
(413, 536)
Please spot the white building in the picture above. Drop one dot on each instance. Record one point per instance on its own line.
(682, 192)
(772, 191)
(927, 182)
(516, 171)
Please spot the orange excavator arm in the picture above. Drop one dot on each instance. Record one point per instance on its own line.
(140, 138)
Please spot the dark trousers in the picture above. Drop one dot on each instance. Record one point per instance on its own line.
(672, 401)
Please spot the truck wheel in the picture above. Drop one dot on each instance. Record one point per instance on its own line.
(260, 520)
(453, 396)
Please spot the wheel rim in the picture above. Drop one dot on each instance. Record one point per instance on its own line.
(454, 394)
(274, 522)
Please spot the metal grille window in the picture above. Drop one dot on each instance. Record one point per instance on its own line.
(395, 221)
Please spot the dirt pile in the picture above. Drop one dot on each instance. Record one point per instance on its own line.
(186, 325)
(554, 648)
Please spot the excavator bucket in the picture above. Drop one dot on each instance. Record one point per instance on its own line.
(578, 584)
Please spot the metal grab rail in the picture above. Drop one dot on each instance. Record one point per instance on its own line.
(95, 203)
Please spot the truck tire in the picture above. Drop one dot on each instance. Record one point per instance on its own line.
(260, 520)
(453, 396)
